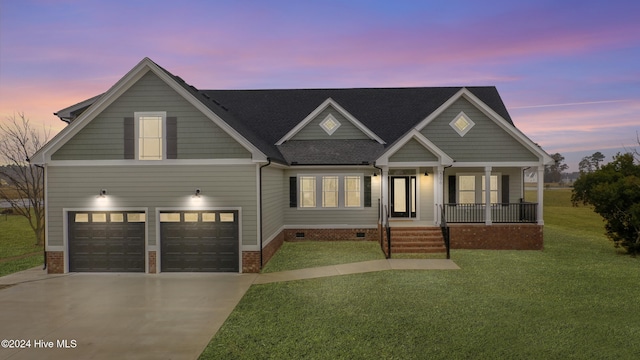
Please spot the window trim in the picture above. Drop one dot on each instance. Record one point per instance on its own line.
(136, 124)
(319, 193)
(464, 116)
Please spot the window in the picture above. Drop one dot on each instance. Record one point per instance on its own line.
(330, 124)
(352, 191)
(493, 189)
(307, 191)
(471, 189)
(467, 192)
(329, 191)
(150, 135)
(462, 124)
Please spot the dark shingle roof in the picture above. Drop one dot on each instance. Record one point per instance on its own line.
(331, 152)
(263, 117)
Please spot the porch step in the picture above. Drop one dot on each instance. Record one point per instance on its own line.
(417, 240)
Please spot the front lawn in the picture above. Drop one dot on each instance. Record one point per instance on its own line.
(575, 299)
(17, 249)
(308, 254)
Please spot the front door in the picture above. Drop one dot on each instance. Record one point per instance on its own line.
(403, 196)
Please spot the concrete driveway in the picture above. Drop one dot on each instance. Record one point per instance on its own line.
(115, 316)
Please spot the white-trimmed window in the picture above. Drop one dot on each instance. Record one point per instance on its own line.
(150, 135)
(352, 191)
(471, 189)
(307, 191)
(330, 191)
(462, 124)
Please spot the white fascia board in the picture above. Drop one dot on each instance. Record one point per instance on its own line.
(341, 110)
(134, 162)
(444, 159)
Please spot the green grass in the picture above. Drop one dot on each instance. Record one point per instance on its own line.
(307, 254)
(576, 299)
(16, 242)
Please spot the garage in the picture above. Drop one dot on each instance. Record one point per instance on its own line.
(199, 241)
(106, 241)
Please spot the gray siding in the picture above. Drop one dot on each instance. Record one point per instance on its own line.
(486, 141)
(413, 151)
(367, 216)
(346, 131)
(152, 187)
(426, 201)
(198, 137)
(273, 186)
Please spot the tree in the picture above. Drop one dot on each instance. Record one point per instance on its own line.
(553, 173)
(591, 163)
(614, 192)
(24, 189)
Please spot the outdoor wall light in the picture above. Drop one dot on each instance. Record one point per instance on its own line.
(426, 173)
(102, 193)
(197, 193)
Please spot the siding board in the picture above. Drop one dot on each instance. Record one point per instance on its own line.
(198, 137)
(346, 131)
(151, 187)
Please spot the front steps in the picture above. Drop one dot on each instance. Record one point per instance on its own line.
(416, 240)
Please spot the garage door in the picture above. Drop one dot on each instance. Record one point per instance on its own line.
(111, 241)
(199, 241)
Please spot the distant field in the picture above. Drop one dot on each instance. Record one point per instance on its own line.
(17, 249)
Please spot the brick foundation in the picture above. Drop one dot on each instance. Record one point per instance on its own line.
(272, 247)
(152, 262)
(250, 261)
(55, 262)
(497, 236)
(370, 234)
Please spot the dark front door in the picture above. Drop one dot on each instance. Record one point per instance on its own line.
(403, 196)
(199, 241)
(106, 241)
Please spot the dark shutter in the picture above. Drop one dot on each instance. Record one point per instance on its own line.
(452, 189)
(367, 191)
(172, 138)
(129, 139)
(505, 189)
(293, 191)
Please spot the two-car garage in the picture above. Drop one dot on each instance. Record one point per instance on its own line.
(190, 241)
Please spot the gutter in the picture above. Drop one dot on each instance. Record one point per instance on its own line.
(260, 198)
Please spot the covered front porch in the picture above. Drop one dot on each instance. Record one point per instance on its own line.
(484, 207)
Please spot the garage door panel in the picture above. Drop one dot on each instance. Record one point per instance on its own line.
(199, 242)
(106, 245)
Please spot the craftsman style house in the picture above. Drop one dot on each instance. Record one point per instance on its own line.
(157, 176)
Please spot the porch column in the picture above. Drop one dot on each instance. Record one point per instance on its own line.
(487, 195)
(438, 194)
(384, 191)
(540, 194)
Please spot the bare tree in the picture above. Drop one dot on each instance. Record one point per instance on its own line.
(24, 189)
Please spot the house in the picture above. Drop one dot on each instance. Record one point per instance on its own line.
(157, 176)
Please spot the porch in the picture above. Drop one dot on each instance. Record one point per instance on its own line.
(500, 213)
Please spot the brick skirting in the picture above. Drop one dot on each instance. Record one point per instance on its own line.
(152, 262)
(55, 262)
(497, 236)
(368, 234)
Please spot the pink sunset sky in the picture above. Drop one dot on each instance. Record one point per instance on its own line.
(568, 71)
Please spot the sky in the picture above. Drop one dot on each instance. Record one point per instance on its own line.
(568, 71)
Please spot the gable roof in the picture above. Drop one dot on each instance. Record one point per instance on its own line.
(266, 119)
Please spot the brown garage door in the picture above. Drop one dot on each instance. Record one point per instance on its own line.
(106, 241)
(199, 241)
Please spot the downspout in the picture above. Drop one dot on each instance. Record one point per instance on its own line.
(44, 235)
(260, 197)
